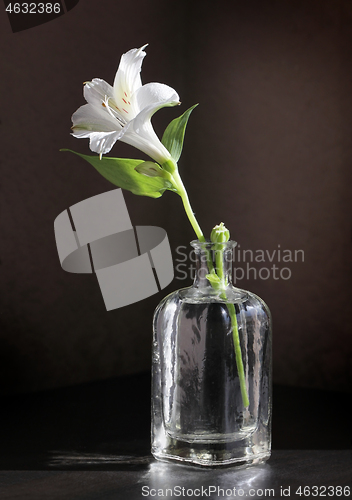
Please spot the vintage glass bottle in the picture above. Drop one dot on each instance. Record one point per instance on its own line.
(198, 411)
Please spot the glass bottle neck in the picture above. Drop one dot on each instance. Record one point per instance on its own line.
(210, 258)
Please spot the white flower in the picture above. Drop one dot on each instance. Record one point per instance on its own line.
(123, 112)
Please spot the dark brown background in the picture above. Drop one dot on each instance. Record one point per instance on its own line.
(268, 151)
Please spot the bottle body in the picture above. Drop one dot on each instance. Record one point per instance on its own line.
(199, 415)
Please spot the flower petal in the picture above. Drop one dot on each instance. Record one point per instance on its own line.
(89, 118)
(139, 132)
(145, 139)
(96, 91)
(102, 142)
(156, 95)
(101, 128)
(128, 80)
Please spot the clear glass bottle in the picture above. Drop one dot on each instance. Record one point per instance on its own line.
(201, 379)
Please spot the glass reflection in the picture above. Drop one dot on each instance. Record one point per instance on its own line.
(172, 480)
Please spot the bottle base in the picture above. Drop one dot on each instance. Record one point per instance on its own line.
(207, 458)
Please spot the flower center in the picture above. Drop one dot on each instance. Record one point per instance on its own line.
(114, 110)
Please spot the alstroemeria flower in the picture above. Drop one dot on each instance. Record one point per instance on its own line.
(123, 112)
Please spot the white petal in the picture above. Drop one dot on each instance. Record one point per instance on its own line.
(96, 91)
(102, 142)
(156, 95)
(139, 132)
(89, 118)
(144, 138)
(95, 123)
(128, 80)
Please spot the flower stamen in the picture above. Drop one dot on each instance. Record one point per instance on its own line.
(113, 112)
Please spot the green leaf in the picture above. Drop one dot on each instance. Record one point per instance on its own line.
(121, 172)
(174, 134)
(214, 279)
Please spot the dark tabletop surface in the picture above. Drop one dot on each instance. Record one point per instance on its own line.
(92, 442)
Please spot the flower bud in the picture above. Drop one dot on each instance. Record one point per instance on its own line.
(220, 234)
(149, 168)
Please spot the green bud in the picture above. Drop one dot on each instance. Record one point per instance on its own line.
(149, 168)
(220, 234)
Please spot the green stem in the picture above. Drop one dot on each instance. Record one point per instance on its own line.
(238, 353)
(236, 338)
(177, 181)
(185, 200)
(219, 264)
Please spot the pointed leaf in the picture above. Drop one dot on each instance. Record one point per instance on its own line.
(121, 172)
(174, 134)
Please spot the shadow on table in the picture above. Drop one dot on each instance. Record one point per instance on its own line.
(73, 460)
